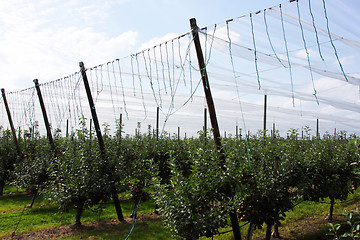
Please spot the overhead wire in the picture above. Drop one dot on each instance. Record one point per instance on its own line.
(331, 41)
(141, 87)
(174, 67)
(238, 92)
(307, 53)
(315, 30)
(287, 55)
(255, 51)
(270, 42)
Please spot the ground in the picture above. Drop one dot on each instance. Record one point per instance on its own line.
(71, 230)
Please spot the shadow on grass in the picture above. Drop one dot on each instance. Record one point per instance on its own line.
(317, 235)
(144, 230)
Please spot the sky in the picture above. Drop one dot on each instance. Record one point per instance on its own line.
(47, 39)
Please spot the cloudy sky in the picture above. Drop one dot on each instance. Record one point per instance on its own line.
(47, 39)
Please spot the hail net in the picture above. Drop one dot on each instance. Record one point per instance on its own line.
(301, 54)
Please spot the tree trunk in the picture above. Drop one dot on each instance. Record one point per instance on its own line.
(156, 209)
(249, 231)
(116, 201)
(34, 195)
(235, 225)
(332, 202)
(276, 233)
(79, 211)
(2, 185)
(268, 231)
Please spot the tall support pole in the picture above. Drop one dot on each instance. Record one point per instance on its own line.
(90, 132)
(46, 120)
(11, 122)
(157, 123)
(178, 133)
(237, 131)
(317, 128)
(214, 123)
(92, 109)
(265, 108)
(205, 82)
(114, 194)
(205, 122)
(67, 128)
(274, 129)
(120, 125)
(302, 133)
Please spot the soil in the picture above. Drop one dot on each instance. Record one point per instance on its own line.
(70, 230)
(302, 229)
(298, 229)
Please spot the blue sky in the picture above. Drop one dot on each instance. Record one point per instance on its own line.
(47, 39)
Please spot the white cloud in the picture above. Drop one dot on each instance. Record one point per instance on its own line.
(302, 53)
(35, 45)
(223, 34)
(156, 41)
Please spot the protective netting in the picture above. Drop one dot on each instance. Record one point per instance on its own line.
(301, 54)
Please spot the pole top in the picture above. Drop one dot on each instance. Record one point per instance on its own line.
(81, 64)
(193, 23)
(2, 90)
(36, 81)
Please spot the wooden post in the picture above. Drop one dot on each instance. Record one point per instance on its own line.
(237, 131)
(265, 107)
(90, 132)
(114, 194)
(11, 122)
(302, 133)
(205, 122)
(214, 123)
(19, 132)
(120, 126)
(317, 128)
(67, 128)
(92, 109)
(46, 120)
(157, 123)
(274, 129)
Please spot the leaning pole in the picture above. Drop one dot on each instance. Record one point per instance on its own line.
(213, 119)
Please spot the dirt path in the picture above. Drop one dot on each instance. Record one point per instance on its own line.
(71, 230)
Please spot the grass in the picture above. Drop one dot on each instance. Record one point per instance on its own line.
(149, 230)
(44, 215)
(306, 221)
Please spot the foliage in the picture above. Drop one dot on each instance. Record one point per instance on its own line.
(348, 230)
(77, 174)
(8, 157)
(194, 205)
(31, 172)
(195, 185)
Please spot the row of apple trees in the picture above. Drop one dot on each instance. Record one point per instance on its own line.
(195, 186)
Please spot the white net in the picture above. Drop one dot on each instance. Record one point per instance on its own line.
(301, 54)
